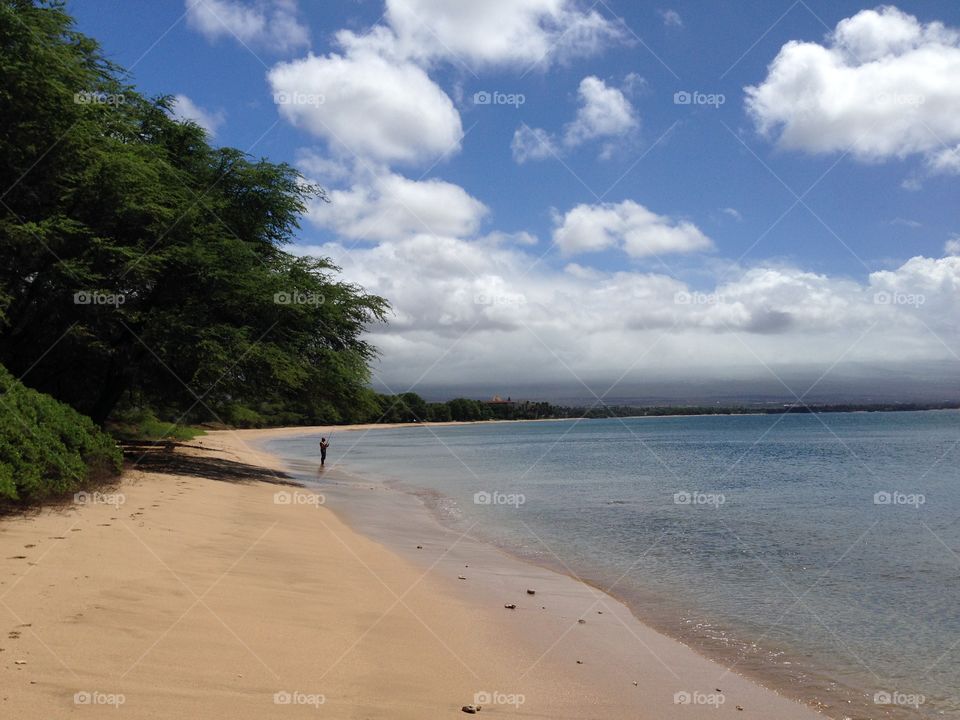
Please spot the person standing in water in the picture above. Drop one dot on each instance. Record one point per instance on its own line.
(323, 450)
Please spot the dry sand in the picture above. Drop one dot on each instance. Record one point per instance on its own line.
(200, 596)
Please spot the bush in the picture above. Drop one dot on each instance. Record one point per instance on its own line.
(48, 449)
(243, 417)
(143, 424)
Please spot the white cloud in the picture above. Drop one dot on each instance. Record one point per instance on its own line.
(946, 160)
(906, 222)
(952, 246)
(604, 112)
(185, 109)
(629, 226)
(385, 206)
(532, 144)
(494, 32)
(671, 18)
(883, 85)
(732, 212)
(274, 25)
(363, 103)
(320, 168)
(460, 303)
(375, 99)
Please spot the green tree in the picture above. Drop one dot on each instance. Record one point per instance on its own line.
(140, 264)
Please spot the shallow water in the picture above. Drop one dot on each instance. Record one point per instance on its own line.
(761, 540)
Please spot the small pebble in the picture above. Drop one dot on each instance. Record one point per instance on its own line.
(579, 662)
(419, 547)
(582, 621)
(739, 707)
(511, 606)
(461, 577)
(471, 709)
(531, 592)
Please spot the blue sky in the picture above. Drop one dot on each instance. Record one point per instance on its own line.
(675, 198)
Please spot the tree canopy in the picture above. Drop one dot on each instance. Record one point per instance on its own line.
(139, 264)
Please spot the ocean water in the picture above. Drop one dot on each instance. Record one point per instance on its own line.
(818, 553)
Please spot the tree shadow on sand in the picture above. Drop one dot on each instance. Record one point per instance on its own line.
(167, 458)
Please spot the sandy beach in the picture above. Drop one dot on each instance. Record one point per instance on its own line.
(206, 585)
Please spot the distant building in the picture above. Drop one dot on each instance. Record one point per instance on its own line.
(497, 400)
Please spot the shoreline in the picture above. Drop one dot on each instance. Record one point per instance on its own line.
(355, 427)
(202, 594)
(400, 540)
(813, 687)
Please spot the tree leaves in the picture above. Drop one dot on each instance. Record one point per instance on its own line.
(138, 264)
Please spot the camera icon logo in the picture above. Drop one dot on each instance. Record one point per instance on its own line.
(882, 498)
(682, 97)
(482, 498)
(282, 498)
(482, 98)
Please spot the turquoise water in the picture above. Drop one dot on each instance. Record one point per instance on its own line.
(761, 540)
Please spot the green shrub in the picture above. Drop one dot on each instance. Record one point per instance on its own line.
(143, 424)
(48, 449)
(243, 417)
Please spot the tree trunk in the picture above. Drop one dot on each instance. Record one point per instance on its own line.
(114, 385)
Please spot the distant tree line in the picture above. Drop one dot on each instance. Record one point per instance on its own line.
(410, 407)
